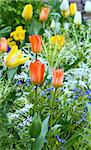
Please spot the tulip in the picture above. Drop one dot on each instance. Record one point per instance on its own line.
(78, 18)
(44, 14)
(15, 58)
(73, 8)
(37, 72)
(53, 24)
(87, 7)
(27, 12)
(57, 78)
(3, 45)
(36, 43)
(64, 5)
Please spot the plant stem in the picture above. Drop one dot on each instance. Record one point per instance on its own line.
(36, 92)
(36, 57)
(55, 94)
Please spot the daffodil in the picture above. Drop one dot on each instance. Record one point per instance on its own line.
(58, 40)
(27, 12)
(15, 58)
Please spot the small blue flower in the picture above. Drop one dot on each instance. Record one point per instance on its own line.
(49, 89)
(58, 138)
(89, 97)
(28, 82)
(87, 92)
(43, 93)
(49, 96)
(75, 90)
(8, 49)
(75, 97)
(19, 82)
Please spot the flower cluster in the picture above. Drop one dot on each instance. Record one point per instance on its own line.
(18, 34)
(57, 40)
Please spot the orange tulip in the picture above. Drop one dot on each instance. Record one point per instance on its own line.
(3, 44)
(37, 72)
(57, 78)
(44, 14)
(36, 43)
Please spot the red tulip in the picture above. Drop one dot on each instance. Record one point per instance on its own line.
(36, 43)
(44, 14)
(3, 44)
(57, 78)
(37, 72)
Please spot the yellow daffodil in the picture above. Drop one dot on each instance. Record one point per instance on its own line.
(58, 40)
(27, 12)
(73, 8)
(18, 34)
(11, 42)
(15, 58)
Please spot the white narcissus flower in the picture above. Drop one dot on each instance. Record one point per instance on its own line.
(87, 7)
(78, 18)
(53, 24)
(64, 5)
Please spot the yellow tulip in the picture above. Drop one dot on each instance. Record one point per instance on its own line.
(15, 58)
(73, 8)
(27, 12)
(58, 40)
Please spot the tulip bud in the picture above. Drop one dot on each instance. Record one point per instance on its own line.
(3, 45)
(64, 5)
(87, 7)
(73, 8)
(78, 18)
(57, 78)
(53, 24)
(36, 126)
(27, 12)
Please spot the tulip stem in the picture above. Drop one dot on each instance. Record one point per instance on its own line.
(44, 25)
(36, 57)
(36, 92)
(55, 94)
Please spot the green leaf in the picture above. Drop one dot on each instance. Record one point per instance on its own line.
(35, 28)
(5, 31)
(39, 143)
(70, 142)
(11, 73)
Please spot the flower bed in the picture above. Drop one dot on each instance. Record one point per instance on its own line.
(45, 77)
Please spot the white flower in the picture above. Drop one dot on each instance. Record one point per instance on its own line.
(87, 7)
(52, 24)
(66, 26)
(78, 18)
(64, 5)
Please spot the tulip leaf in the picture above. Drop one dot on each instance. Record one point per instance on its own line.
(5, 31)
(11, 73)
(39, 143)
(35, 28)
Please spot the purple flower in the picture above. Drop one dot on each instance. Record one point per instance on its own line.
(75, 97)
(60, 140)
(87, 92)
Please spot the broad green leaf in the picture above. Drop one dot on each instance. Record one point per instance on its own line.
(39, 143)
(11, 73)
